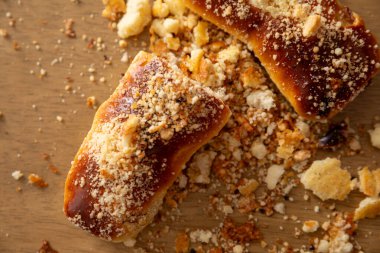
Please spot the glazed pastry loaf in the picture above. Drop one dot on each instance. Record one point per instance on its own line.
(318, 52)
(140, 140)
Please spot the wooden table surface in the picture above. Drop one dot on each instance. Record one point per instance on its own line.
(30, 216)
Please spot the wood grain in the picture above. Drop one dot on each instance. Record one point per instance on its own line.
(30, 216)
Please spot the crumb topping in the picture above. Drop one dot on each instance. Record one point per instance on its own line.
(127, 163)
(319, 50)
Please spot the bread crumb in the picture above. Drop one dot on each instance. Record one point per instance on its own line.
(160, 9)
(375, 136)
(248, 187)
(201, 36)
(138, 15)
(46, 248)
(323, 246)
(310, 226)
(258, 150)
(274, 174)
(182, 243)
(4, 33)
(312, 25)
(59, 118)
(195, 60)
(279, 207)
(130, 242)
(113, 8)
(199, 235)
(69, 30)
(200, 167)
(368, 208)
(327, 180)
(230, 54)
(176, 7)
(261, 99)
(369, 182)
(125, 57)
(37, 181)
(17, 175)
(91, 102)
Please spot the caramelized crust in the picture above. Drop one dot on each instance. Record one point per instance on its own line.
(140, 139)
(318, 53)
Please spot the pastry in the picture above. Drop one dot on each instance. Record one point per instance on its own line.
(140, 140)
(318, 52)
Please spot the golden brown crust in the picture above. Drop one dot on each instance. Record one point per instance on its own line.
(132, 155)
(319, 53)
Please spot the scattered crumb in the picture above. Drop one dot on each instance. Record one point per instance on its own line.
(248, 187)
(368, 208)
(375, 136)
(59, 118)
(124, 57)
(280, 208)
(46, 248)
(16, 46)
(91, 102)
(17, 175)
(43, 73)
(4, 33)
(182, 243)
(369, 182)
(310, 226)
(37, 181)
(274, 174)
(69, 30)
(53, 169)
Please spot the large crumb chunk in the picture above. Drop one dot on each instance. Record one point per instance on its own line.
(368, 208)
(375, 136)
(327, 179)
(369, 182)
(138, 15)
(112, 8)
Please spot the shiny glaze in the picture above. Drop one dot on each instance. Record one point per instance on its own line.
(295, 72)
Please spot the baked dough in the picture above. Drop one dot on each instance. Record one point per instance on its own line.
(140, 140)
(318, 52)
